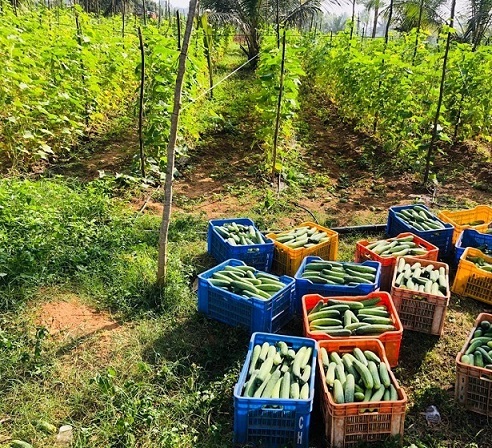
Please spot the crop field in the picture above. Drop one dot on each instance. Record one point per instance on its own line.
(320, 127)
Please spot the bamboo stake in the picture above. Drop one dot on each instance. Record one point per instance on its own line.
(279, 105)
(178, 21)
(141, 103)
(168, 185)
(441, 95)
(419, 24)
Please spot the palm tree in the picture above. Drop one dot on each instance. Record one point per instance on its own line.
(411, 14)
(335, 23)
(375, 5)
(251, 15)
(479, 21)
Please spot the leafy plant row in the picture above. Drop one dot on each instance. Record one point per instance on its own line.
(268, 74)
(60, 81)
(68, 74)
(394, 94)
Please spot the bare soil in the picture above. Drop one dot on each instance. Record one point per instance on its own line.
(66, 317)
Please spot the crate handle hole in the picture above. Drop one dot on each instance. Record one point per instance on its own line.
(486, 378)
(269, 407)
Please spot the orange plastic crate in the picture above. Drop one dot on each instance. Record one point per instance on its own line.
(460, 219)
(420, 311)
(348, 425)
(391, 340)
(473, 387)
(287, 260)
(362, 253)
(470, 280)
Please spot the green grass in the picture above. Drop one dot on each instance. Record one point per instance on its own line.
(165, 377)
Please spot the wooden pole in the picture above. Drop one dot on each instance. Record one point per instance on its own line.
(279, 105)
(352, 20)
(123, 22)
(386, 39)
(419, 24)
(178, 21)
(82, 66)
(168, 185)
(144, 13)
(141, 103)
(441, 95)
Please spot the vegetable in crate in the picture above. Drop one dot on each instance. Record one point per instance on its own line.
(479, 351)
(420, 219)
(480, 263)
(422, 279)
(395, 247)
(277, 371)
(239, 234)
(349, 318)
(247, 282)
(302, 237)
(334, 273)
(359, 376)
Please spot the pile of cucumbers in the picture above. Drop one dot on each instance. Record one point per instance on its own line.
(335, 273)
(428, 279)
(240, 235)
(397, 247)
(480, 263)
(360, 376)
(278, 371)
(246, 281)
(349, 318)
(420, 219)
(302, 237)
(479, 351)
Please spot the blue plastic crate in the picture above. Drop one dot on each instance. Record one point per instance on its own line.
(252, 313)
(471, 238)
(443, 238)
(260, 256)
(271, 422)
(305, 286)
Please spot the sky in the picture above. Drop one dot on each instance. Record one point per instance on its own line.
(328, 6)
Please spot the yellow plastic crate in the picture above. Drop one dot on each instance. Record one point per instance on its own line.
(461, 219)
(287, 260)
(470, 280)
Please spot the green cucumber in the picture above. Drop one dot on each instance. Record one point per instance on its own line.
(371, 356)
(254, 358)
(384, 374)
(349, 389)
(295, 391)
(365, 374)
(326, 313)
(373, 369)
(378, 394)
(359, 354)
(272, 381)
(285, 386)
(330, 374)
(338, 394)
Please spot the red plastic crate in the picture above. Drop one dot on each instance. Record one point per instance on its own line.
(362, 253)
(420, 311)
(473, 387)
(348, 425)
(391, 340)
